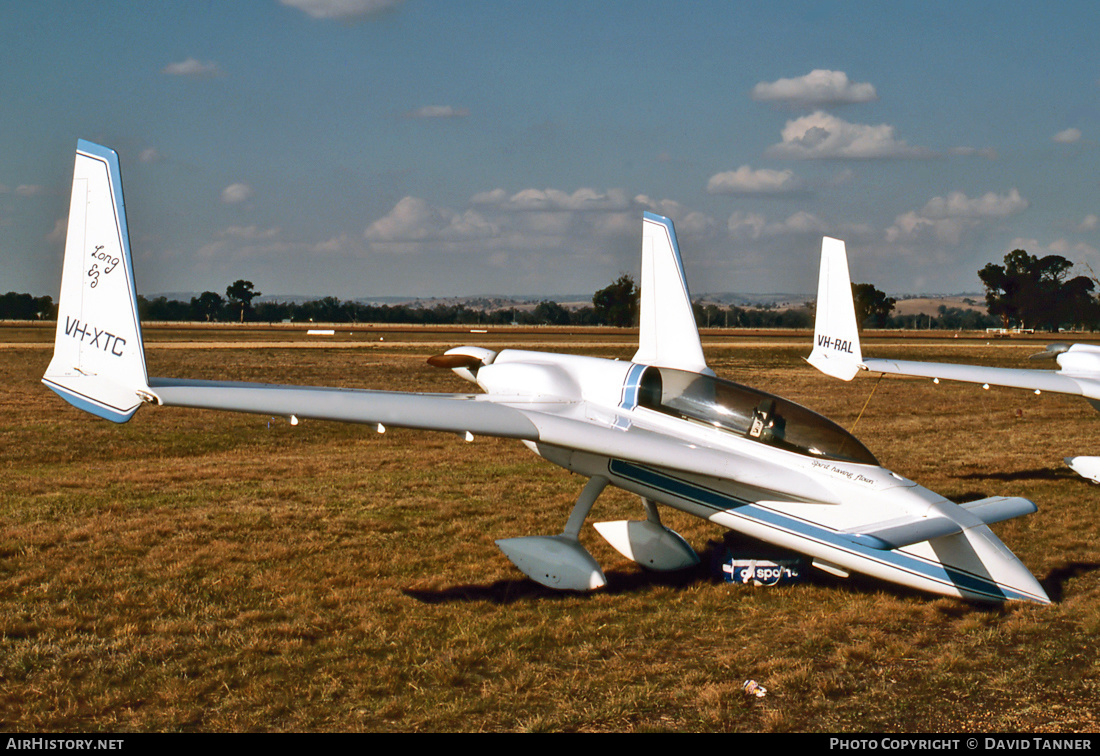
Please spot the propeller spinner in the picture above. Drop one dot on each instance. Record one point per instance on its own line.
(1052, 351)
(452, 361)
(464, 360)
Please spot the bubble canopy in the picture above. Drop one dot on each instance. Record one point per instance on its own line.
(747, 412)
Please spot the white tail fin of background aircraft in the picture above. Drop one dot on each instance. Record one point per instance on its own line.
(668, 336)
(837, 352)
(98, 363)
(836, 349)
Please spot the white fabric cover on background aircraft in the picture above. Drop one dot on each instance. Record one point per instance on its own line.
(837, 352)
(661, 425)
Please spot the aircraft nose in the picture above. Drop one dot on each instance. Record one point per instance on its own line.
(1006, 570)
(1025, 587)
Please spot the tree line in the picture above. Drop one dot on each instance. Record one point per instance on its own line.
(16, 306)
(1025, 292)
(614, 305)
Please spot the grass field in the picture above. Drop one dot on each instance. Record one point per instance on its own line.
(203, 571)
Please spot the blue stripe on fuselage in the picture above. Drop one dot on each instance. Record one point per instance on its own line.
(722, 502)
(630, 387)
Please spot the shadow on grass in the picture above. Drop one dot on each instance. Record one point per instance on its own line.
(633, 580)
(1042, 473)
(1055, 581)
(619, 581)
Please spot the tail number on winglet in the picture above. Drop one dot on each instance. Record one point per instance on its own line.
(837, 345)
(104, 340)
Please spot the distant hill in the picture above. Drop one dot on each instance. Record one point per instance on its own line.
(931, 305)
(778, 300)
(906, 305)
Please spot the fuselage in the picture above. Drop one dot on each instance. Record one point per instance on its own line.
(1081, 362)
(759, 465)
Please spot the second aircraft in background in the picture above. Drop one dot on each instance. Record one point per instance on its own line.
(837, 352)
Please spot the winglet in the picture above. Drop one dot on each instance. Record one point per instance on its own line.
(668, 336)
(98, 362)
(836, 349)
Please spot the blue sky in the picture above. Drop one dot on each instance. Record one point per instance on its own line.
(457, 147)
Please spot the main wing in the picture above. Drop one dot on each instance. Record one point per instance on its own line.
(456, 413)
(1036, 380)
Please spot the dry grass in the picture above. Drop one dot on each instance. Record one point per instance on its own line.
(214, 572)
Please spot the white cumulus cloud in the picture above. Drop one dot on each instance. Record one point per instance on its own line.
(742, 225)
(989, 205)
(341, 10)
(193, 68)
(821, 135)
(438, 111)
(579, 222)
(236, 193)
(1062, 247)
(818, 88)
(746, 180)
(554, 200)
(1068, 136)
(946, 219)
(413, 219)
(252, 233)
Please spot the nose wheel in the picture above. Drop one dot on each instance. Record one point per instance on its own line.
(648, 542)
(562, 563)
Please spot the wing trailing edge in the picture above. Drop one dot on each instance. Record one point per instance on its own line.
(455, 413)
(1023, 378)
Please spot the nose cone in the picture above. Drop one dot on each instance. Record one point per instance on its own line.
(1018, 584)
(1001, 576)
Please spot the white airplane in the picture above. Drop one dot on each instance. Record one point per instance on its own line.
(661, 425)
(837, 352)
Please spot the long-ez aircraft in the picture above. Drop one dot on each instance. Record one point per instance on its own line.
(837, 352)
(661, 425)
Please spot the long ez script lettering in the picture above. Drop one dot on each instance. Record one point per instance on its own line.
(109, 264)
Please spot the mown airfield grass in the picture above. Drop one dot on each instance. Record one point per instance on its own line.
(206, 571)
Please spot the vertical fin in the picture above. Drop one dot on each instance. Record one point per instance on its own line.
(98, 362)
(836, 349)
(668, 336)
